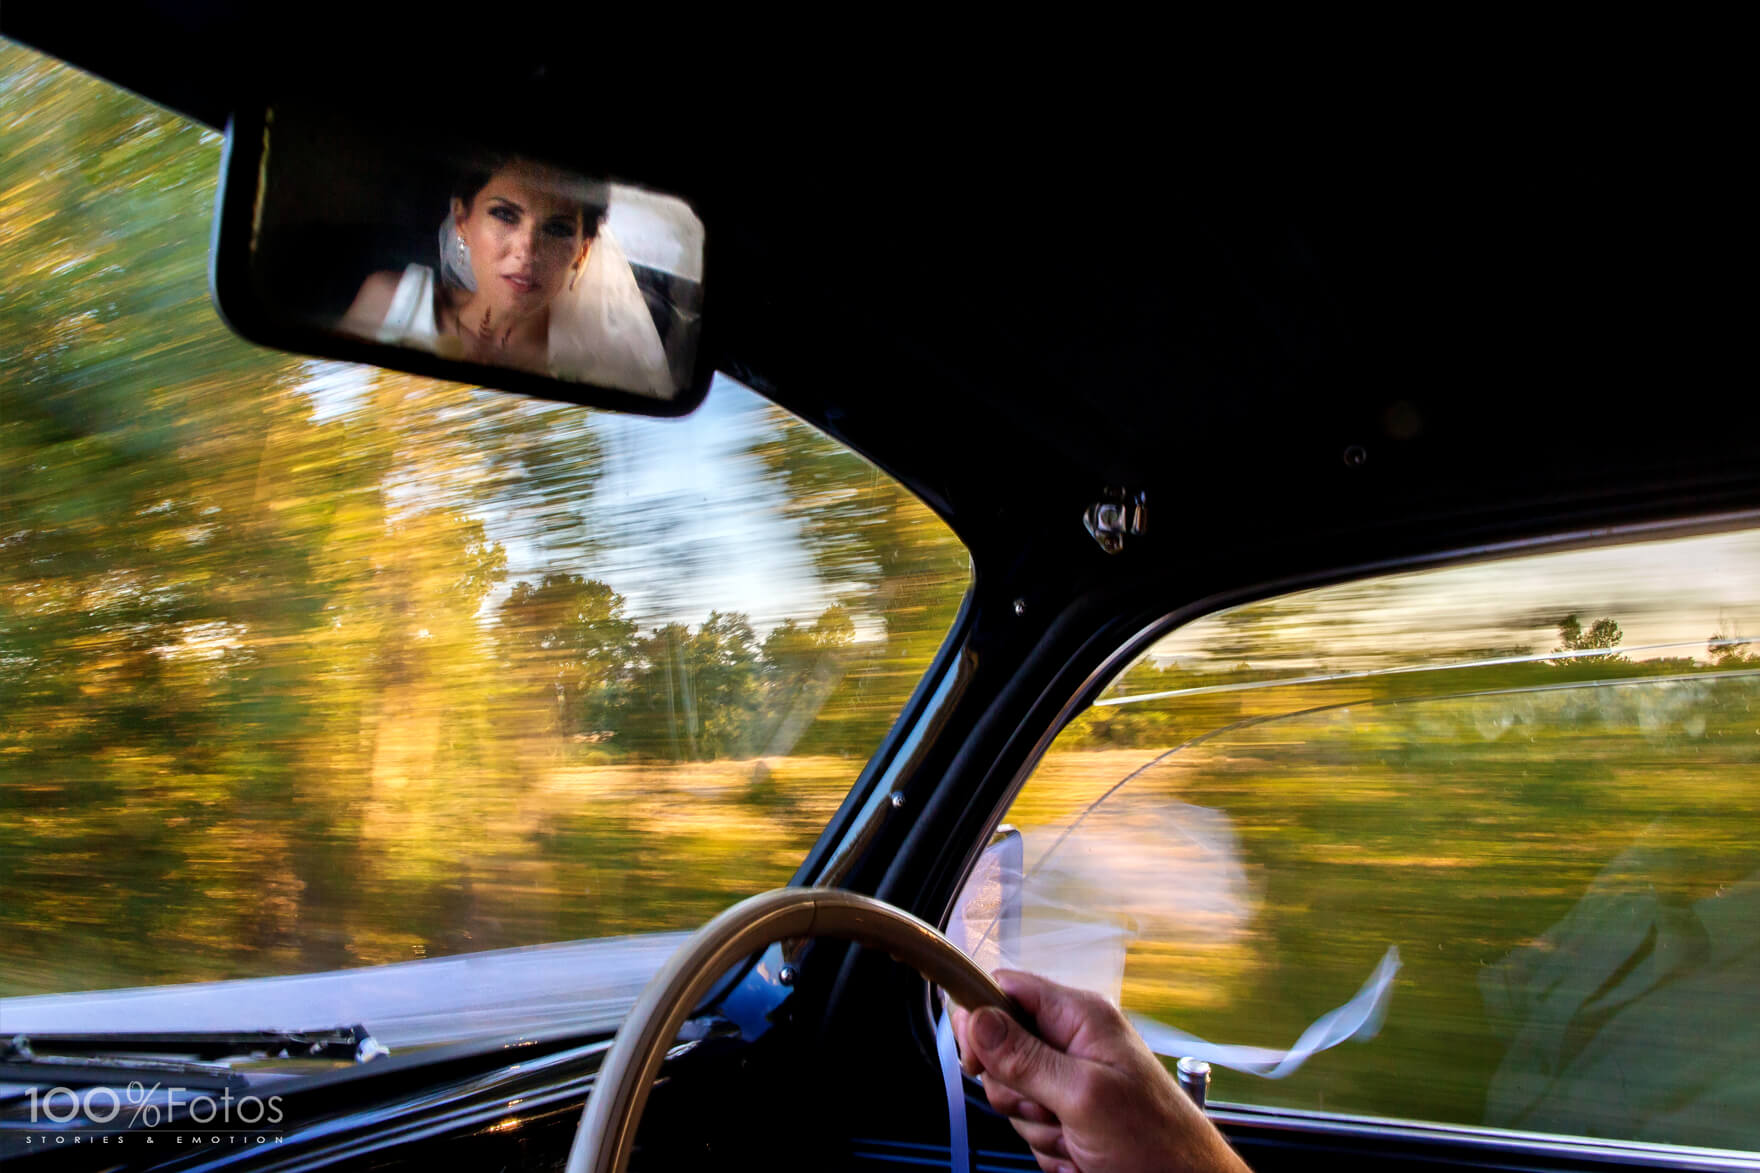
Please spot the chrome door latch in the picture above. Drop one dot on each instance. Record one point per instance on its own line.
(1193, 1075)
(1118, 514)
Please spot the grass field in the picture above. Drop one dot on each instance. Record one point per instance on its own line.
(1509, 845)
(413, 870)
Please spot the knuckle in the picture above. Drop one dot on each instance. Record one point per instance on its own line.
(1009, 1062)
(1101, 1008)
(1019, 1063)
(1087, 1094)
(1104, 1016)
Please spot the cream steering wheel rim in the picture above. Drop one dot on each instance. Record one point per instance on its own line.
(607, 1130)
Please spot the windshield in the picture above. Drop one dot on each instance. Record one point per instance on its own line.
(308, 668)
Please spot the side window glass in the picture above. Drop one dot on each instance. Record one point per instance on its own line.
(1502, 813)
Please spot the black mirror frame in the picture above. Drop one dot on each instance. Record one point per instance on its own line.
(236, 301)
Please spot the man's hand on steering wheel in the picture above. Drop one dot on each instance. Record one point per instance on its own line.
(1086, 1094)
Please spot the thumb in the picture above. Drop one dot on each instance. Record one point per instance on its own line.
(1013, 1055)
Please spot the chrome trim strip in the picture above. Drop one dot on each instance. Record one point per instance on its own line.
(1502, 1140)
(1408, 669)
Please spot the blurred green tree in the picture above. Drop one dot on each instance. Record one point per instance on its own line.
(1604, 633)
(696, 694)
(1728, 648)
(894, 564)
(572, 648)
(802, 665)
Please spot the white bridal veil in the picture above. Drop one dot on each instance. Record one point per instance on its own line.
(601, 330)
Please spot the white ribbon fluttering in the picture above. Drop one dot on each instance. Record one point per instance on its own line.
(1359, 1018)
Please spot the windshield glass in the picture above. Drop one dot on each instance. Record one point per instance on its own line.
(309, 667)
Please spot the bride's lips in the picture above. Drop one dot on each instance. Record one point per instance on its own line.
(520, 282)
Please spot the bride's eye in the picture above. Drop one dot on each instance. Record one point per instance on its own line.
(559, 228)
(504, 214)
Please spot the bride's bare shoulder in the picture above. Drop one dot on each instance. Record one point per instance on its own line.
(370, 304)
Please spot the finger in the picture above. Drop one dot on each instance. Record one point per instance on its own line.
(1052, 1163)
(1063, 1015)
(968, 1062)
(1001, 1098)
(1043, 1138)
(1015, 1106)
(1018, 1059)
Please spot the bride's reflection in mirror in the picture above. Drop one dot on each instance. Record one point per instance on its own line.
(527, 274)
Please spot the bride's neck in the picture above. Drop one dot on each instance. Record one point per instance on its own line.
(474, 317)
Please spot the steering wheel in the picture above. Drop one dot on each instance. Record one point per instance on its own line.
(607, 1130)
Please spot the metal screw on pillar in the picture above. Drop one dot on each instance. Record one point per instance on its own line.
(1194, 1076)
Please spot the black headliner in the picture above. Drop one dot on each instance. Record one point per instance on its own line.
(1011, 296)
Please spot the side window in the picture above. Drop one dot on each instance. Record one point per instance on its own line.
(1531, 782)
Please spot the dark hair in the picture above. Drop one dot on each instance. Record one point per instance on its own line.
(470, 180)
(592, 198)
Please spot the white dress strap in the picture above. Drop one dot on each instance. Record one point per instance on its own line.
(409, 321)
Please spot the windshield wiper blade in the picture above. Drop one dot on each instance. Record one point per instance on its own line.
(79, 1070)
(350, 1044)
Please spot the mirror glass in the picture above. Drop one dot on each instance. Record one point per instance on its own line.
(480, 256)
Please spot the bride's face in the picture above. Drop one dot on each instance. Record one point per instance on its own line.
(524, 237)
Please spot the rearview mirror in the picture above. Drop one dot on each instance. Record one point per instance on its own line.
(431, 252)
